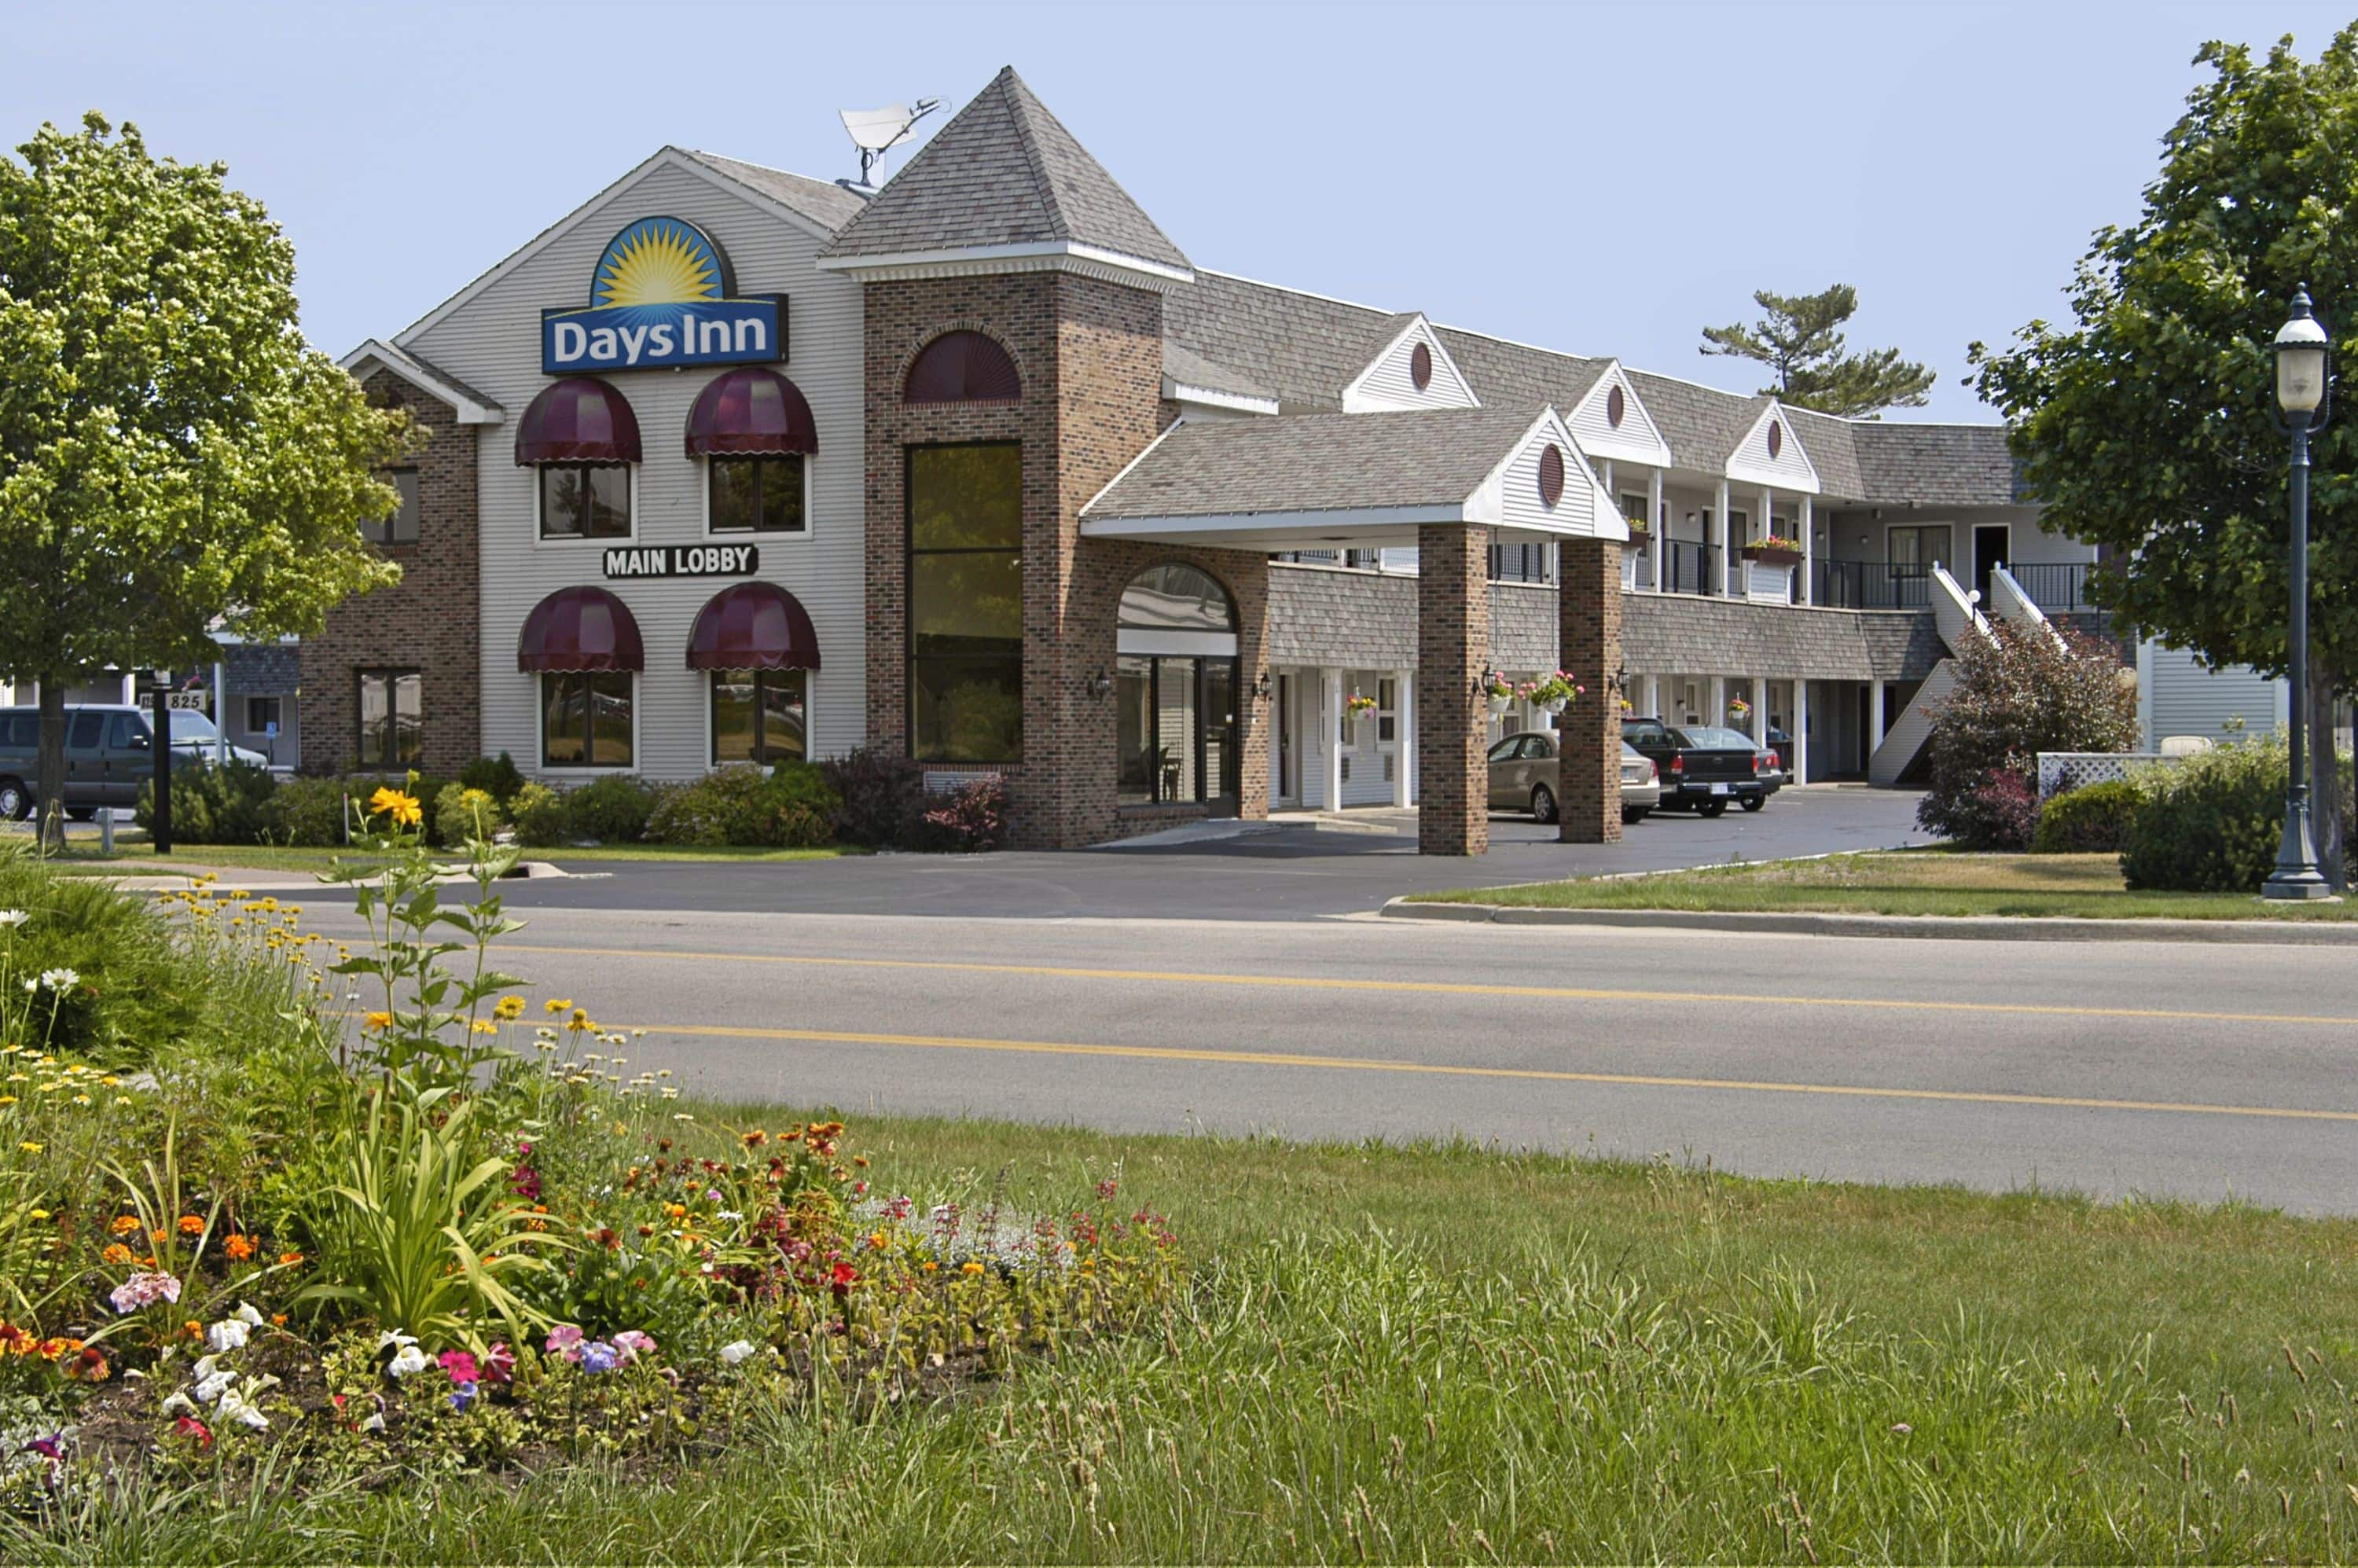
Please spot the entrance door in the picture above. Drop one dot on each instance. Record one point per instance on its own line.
(1289, 758)
(1991, 543)
(1219, 707)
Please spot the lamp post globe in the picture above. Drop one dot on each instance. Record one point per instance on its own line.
(2304, 353)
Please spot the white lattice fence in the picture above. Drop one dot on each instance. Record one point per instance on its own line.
(2061, 772)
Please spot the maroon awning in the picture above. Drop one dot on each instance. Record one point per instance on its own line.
(750, 409)
(577, 420)
(581, 628)
(753, 626)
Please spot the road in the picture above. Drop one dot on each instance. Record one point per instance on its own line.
(2186, 1071)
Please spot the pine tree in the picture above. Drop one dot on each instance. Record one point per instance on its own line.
(1800, 338)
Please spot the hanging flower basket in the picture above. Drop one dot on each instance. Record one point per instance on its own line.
(1557, 692)
(1359, 707)
(1498, 689)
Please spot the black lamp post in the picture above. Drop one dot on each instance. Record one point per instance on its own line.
(159, 823)
(2304, 365)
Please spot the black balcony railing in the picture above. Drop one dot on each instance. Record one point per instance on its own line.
(1869, 585)
(1518, 563)
(1689, 567)
(2053, 586)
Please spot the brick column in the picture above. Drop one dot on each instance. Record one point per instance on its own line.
(1453, 649)
(1588, 597)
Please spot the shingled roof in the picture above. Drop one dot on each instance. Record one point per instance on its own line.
(1947, 465)
(1517, 372)
(830, 206)
(1004, 171)
(1316, 462)
(1304, 348)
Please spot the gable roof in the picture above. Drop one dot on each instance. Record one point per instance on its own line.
(1520, 373)
(1949, 465)
(1832, 451)
(471, 406)
(1003, 172)
(830, 206)
(1302, 347)
(1315, 462)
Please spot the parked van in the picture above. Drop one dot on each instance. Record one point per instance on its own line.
(110, 752)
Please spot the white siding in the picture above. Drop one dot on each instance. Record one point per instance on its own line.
(492, 342)
(1636, 441)
(1582, 508)
(1390, 384)
(2182, 697)
(1789, 470)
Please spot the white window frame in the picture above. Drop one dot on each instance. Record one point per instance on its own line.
(638, 722)
(810, 720)
(542, 541)
(755, 536)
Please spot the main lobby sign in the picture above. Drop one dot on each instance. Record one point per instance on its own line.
(682, 560)
(661, 295)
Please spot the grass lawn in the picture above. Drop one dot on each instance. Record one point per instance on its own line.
(1908, 881)
(1445, 1353)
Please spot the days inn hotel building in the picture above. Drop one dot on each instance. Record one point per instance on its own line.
(730, 464)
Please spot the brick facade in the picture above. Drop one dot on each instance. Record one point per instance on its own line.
(1090, 354)
(1589, 733)
(429, 621)
(1452, 641)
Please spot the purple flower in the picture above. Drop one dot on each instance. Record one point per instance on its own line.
(565, 1340)
(462, 1396)
(597, 1356)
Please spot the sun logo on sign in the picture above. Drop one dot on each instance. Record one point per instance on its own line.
(656, 261)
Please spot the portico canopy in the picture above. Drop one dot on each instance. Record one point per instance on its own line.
(750, 410)
(578, 629)
(1314, 481)
(577, 420)
(753, 626)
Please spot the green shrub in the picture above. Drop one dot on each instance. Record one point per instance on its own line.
(542, 815)
(495, 776)
(740, 804)
(2211, 823)
(464, 811)
(2018, 694)
(2093, 819)
(883, 797)
(613, 809)
(308, 812)
(134, 991)
(224, 803)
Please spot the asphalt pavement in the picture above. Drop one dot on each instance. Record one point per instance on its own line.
(1280, 871)
(2192, 1072)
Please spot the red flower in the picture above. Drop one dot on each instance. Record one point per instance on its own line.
(189, 1426)
(842, 1278)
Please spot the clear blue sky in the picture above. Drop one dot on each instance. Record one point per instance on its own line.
(1602, 178)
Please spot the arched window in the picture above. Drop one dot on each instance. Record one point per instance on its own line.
(963, 367)
(1176, 692)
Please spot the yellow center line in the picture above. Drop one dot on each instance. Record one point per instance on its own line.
(1544, 1075)
(1440, 988)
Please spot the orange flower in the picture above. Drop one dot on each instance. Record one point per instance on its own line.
(277, 1320)
(115, 1253)
(125, 1224)
(290, 1259)
(403, 809)
(240, 1248)
(191, 1225)
(159, 1237)
(193, 1329)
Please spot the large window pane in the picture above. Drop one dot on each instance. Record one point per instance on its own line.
(736, 495)
(781, 494)
(1220, 770)
(966, 603)
(392, 719)
(968, 710)
(757, 716)
(408, 719)
(1133, 698)
(563, 727)
(610, 720)
(965, 497)
(563, 501)
(785, 717)
(1176, 737)
(577, 502)
(610, 503)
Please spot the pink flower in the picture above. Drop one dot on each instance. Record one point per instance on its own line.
(144, 1290)
(633, 1344)
(565, 1340)
(498, 1362)
(460, 1366)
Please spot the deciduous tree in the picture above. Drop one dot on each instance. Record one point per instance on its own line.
(2149, 425)
(1800, 339)
(172, 453)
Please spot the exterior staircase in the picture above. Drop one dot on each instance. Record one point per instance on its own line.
(2012, 604)
(1959, 620)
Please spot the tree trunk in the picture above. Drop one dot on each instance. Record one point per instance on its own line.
(49, 787)
(2328, 808)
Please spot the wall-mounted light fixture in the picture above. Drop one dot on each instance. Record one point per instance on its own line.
(1261, 686)
(1100, 684)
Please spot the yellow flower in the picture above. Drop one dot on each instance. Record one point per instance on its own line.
(971, 1267)
(508, 1007)
(29, 1147)
(482, 1026)
(377, 1021)
(558, 1004)
(8, 1099)
(402, 809)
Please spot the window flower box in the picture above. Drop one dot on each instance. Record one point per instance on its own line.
(1773, 552)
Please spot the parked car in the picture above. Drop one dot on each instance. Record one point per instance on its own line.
(1703, 767)
(110, 752)
(1780, 749)
(1524, 776)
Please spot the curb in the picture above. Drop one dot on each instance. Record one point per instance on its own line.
(1933, 927)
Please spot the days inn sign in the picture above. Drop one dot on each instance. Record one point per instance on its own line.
(661, 295)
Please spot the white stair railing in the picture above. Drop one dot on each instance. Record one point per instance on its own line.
(2010, 601)
(1908, 732)
(1953, 611)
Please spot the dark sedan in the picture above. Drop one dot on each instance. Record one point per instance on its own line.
(1703, 767)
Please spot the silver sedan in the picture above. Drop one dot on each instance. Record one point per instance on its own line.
(1523, 778)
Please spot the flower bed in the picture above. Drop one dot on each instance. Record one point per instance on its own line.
(416, 1229)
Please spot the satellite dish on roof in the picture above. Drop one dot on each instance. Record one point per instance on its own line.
(876, 131)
